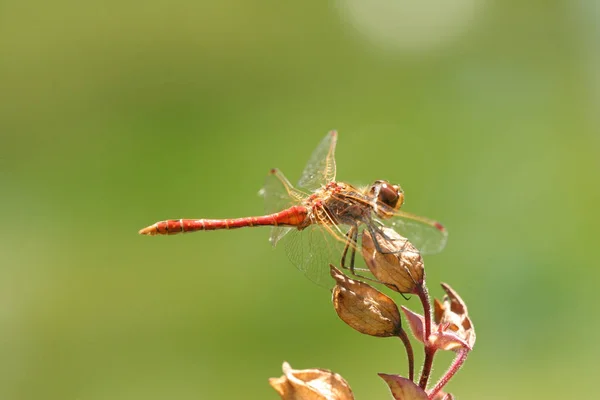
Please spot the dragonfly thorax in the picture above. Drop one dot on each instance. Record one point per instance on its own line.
(338, 203)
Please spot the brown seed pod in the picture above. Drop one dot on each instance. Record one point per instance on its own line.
(364, 308)
(396, 263)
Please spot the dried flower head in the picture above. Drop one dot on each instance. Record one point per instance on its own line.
(452, 328)
(452, 313)
(395, 261)
(364, 308)
(311, 384)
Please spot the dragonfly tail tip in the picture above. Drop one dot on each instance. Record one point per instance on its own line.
(149, 231)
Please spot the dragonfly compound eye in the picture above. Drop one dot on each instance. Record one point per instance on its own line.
(390, 195)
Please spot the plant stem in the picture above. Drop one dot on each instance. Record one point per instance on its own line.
(409, 354)
(424, 297)
(429, 351)
(427, 364)
(461, 356)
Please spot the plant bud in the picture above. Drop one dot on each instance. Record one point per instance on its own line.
(416, 323)
(397, 263)
(403, 389)
(364, 308)
(311, 384)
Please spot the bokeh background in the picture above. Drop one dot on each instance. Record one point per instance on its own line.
(116, 114)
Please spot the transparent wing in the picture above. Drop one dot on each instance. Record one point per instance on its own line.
(312, 250)
(320, 168)
(427, 235)
(279, 194)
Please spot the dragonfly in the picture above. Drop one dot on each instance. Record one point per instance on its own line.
(321, 220)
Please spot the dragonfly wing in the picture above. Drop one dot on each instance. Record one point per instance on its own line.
(277, 232)
(427, 235)
(279, 194)
(320, 168)
(311, 250)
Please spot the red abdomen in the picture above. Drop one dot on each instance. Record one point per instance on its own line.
(293, 216)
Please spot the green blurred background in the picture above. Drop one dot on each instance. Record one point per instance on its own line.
(116, 114)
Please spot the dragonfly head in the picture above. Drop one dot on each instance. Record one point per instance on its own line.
(388, 195)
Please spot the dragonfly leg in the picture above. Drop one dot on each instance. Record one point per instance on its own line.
(352, 241)
(349, 240)
(353, 255)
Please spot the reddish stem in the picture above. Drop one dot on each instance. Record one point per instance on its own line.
(459, 360)
(424, 297)
(427, 364)
(409, 354)
(429, 351)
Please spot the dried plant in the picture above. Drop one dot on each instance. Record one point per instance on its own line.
(310, 384)
(399, 266)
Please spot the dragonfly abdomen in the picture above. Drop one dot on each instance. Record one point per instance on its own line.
(293, 216)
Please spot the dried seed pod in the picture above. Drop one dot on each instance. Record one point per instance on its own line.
(364, 308)
(396, 263)
(311, 384)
